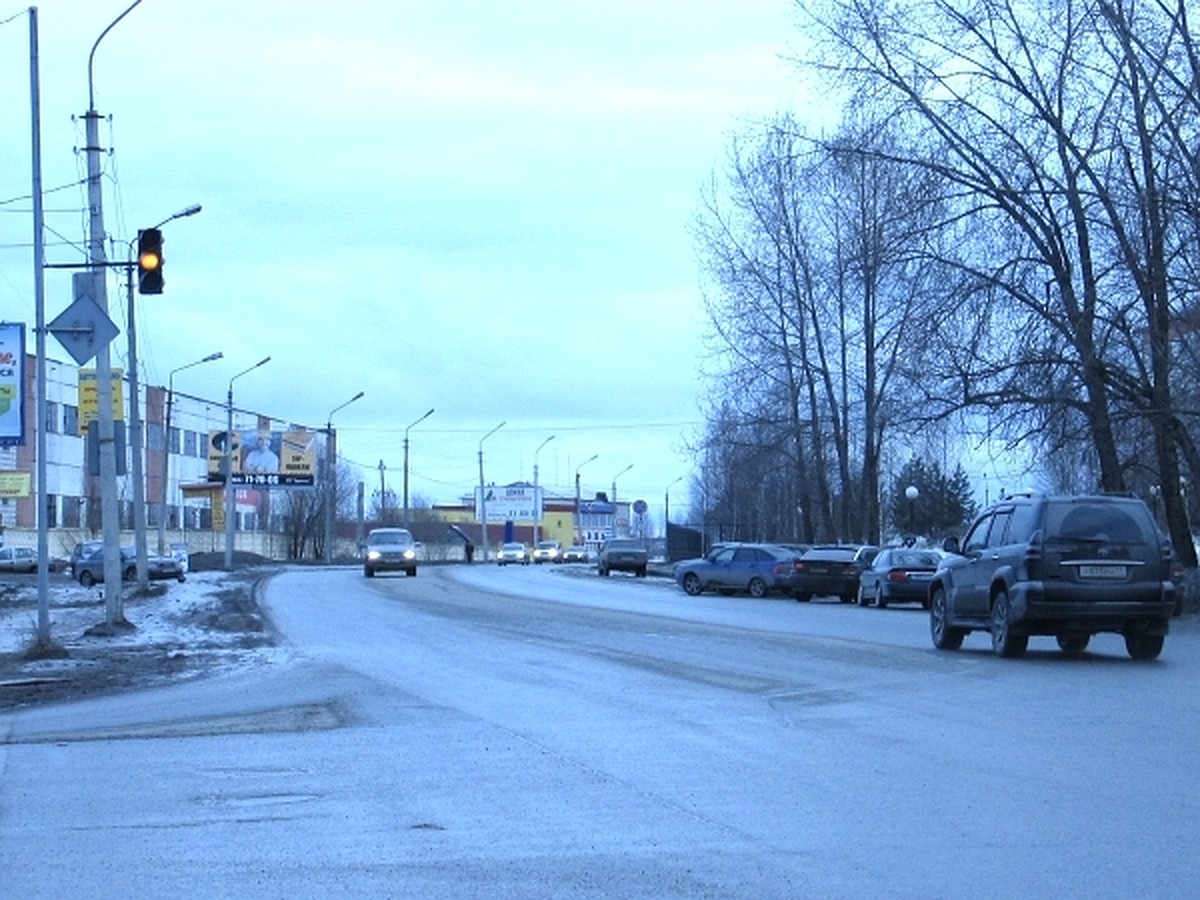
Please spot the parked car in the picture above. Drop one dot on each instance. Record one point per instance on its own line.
(1067, 566)
(390, 550)
(80, 550)
(181, 553)
(752, 568)
(898, 575)
(548, 551)
(830, 571)
(512, 552)
(89, 568)
(18, 559)
(623, 555)
(576, 553)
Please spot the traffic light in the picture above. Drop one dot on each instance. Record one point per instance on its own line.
(150, 261)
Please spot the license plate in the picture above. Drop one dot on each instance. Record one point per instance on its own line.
(1103, 571)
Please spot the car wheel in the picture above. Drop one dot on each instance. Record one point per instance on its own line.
(86, 579)
(757, 588)
(411, 573)
(182, 577)
(945, 637)
(1073, 644)
(603, 572)
(641, 573)
(368, 572)
(802, 597)
(1004, 642)
(862, 598)
(1143, 646)
(691, 584)
(846, 598)
(881, 601)
(129, 574)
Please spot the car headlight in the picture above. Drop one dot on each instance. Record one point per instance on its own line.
(410, 554)
(372, 554)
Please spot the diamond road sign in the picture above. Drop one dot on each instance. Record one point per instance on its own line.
(83, 328)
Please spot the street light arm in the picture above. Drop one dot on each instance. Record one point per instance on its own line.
(329, 418)
(261, 362)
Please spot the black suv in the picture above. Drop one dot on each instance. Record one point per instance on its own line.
(1056, 565)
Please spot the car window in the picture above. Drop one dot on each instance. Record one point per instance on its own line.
(998, 533)
(976, 538)
(1093, 522)
(1022, 524)
(745, 555)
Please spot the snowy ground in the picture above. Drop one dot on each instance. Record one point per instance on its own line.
(179, 630)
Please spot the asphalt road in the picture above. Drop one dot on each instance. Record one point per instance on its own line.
(488, 732)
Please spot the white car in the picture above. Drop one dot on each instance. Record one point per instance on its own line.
(512, 552)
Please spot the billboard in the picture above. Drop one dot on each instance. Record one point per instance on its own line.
(265, 458)
(12, 382)
(518, 503)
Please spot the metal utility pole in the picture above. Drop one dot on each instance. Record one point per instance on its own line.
(330, 479)
(166, 479)
(578, 530)
(230, 496)
(483, 492)
(537, 515)
(114, 612)
(407, 522)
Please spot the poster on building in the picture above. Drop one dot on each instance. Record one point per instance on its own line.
(264, 458)
(12, 380)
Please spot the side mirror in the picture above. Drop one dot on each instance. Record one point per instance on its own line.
(950, 545)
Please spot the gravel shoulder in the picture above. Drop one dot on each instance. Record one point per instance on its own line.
(174, 632)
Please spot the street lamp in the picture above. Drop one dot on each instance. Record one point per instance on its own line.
(483, 491)
(667, 514)
(230, 508)
(166, 466)
(330, 479)
(406, 431)
(613, 498)
(911, 493)
(135, 414)
(578, 530)
(537, 514)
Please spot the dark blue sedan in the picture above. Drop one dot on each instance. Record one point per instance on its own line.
(754, 569)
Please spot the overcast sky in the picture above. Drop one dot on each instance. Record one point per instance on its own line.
(480, 208)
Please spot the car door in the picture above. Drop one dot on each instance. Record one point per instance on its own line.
(973, 575)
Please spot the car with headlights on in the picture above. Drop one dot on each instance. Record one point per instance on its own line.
(390, 550)
(898, 575)
(513, 552)
(576, 553)
(548, 552)
(754, 569)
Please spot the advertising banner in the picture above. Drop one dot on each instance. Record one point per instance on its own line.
(89, 397)
(12, 379)
(265, 458)
(518, 503)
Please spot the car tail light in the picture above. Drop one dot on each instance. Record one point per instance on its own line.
(897, 575)
(850, 569)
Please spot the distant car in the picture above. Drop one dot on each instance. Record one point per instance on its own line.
(89, 568)
(81, 550)
(548, 551)
(830, 571)
(623, 555)
(898, 575)
(735, 567)
(512, 552)
(576, 553)
(1066, 566)
(18, 559)
(390, 550)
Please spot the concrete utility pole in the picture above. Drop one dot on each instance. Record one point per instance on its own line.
(114, 613)
(330, 479)
(483, 492)
(537, 513)
(407, 520)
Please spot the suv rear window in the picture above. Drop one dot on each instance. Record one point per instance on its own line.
(1096, 521)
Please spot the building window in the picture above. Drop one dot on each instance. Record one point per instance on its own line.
(71, 512)
(175, 439)
(191, 443)
(70, 419)
(51, 417)
(52, 511)
(154, 437)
